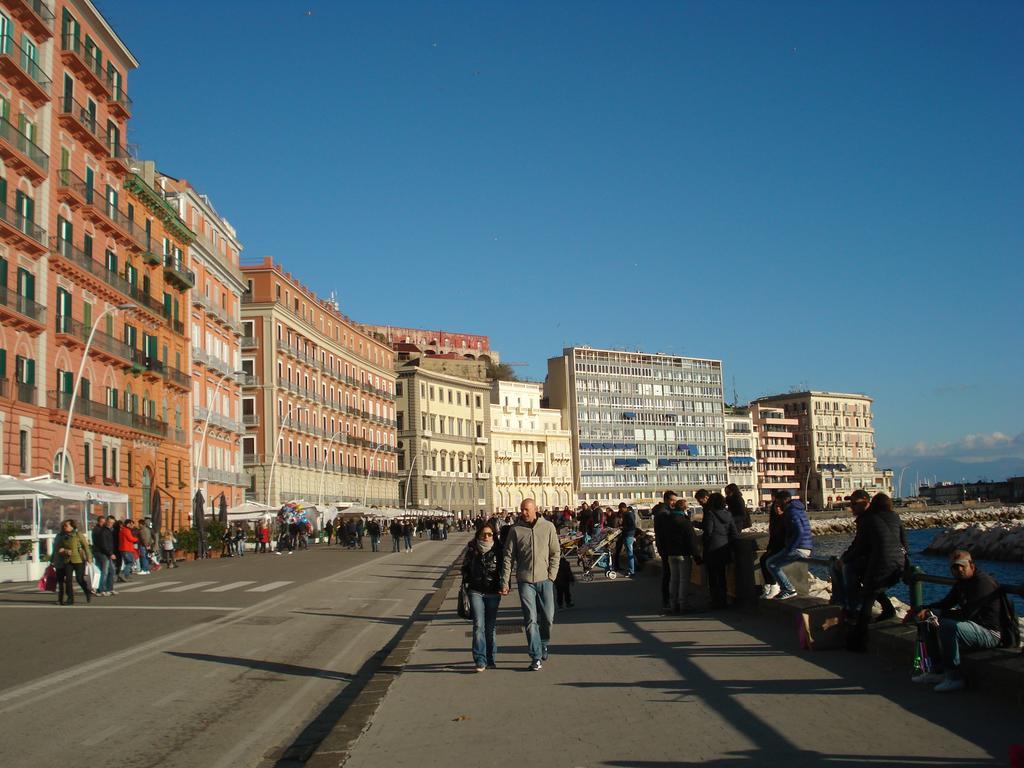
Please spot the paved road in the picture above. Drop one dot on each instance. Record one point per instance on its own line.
(216, 663)
(627, 687)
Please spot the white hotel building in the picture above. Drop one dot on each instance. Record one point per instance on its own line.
(641, 423)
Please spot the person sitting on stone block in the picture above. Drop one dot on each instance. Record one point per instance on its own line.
(968, 620)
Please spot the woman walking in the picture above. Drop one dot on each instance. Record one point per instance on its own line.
(70, 554)
(482, 579)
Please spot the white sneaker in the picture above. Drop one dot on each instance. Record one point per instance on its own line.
(770, 590)
(950, 684)
(931, 678)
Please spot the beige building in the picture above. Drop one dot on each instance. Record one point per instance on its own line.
(530, 449)
(835, 444)
(741, 452)
(443, 426)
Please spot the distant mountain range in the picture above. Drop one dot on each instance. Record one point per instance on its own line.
(953, 471)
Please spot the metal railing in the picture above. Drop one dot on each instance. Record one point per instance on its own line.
(917, 578)
(104, 412)
(90, 59)
(101, 340)
(22, 224)
(176, 265)
(227, 477)
(41, 10)
(26, 392)
(23, 305)
(25, 145)
(27, 64)
(118, 96)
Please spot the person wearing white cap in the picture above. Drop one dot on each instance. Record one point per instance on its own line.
(968, 620)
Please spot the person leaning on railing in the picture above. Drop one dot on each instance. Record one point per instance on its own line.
(967, 619)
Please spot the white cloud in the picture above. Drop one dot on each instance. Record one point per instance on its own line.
(975, 447)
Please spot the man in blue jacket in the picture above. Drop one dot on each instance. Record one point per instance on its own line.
(798, 542)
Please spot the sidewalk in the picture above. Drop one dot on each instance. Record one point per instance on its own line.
(627, 687)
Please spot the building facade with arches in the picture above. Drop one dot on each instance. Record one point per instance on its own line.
(443, 435)
(319, 386)
(530, 448)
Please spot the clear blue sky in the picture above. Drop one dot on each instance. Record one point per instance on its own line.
(827, 195)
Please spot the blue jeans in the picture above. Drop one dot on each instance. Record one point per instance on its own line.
(127, 561)
(779, 560)
(143, 559)
(485, 618)
(408, 543)
(628, 540)
(106, 569)
(954, 633)
(375, 543)
(395, 547)
(538, 602)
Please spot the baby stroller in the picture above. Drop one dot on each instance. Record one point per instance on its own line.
(597, 554)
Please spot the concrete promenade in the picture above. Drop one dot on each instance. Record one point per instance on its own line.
(627, 687)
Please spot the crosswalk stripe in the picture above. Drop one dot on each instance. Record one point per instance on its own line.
(147, 587)
(228, 587)
(187, 587)
(268, 587)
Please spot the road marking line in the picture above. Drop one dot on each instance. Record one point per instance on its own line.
(129, 607)
(100, 737)
(229, 587)
(267, 587)
(187, 587)
(62, 681)
(147, 587)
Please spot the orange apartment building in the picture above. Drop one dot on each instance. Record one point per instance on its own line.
(215, 333)
(323, 387)
(83, 242)
(776, 452)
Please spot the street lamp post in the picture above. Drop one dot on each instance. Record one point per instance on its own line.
(206, 428)
(273, 464)
(366, 479)
(408, 481)
(78, 381)
(323, 470)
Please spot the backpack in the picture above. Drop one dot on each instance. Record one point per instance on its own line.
(1009, 629)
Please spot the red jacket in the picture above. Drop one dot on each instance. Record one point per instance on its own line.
(126, 540)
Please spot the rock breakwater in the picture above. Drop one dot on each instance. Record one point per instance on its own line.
(940, 518)
(991, 540)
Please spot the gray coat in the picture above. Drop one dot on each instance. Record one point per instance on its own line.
(534, 550)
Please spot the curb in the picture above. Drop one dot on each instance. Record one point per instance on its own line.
(351, 713)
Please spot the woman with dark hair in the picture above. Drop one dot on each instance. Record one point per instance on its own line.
(719, 532)
(481, 574)
(70, 554)
(737, 506)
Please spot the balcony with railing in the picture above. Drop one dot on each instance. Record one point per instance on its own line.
(249, 342)
(82, 122)
(20, 312)
(71, 331)
(22, 70)
(77, 193)
(85, 408)
(35, 16)
(176, 271)
(251, 419)
(21, 153)
(119, 102)
(223, 476)
(26, 393)
(85, 61)
(21, 232)
(199, 413)
(83, 261)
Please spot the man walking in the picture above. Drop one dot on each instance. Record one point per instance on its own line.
(661, 513)
(532, 545)
(103, 552)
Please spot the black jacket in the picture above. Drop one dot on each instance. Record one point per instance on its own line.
(776, 533)
(395, 529)
(878, 550)
(719, 529)
(628, 522)
(974, 599)
(737, 508)
(565, 574)
(482, 570)
(679, 537)
(103, 540)
(660, 515)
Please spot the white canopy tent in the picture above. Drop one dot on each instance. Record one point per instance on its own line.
(38, 490)
(250, 511)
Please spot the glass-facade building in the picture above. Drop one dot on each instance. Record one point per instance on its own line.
(641, 423)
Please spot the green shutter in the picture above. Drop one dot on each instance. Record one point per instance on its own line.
(87, 315)
(30, 372)
(85, 389)
(87, 245)
(3, 363)
(26, 284)
(3, 273)
(90, 184)
(167, 304)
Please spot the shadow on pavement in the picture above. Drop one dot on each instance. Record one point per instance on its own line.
(266, 666)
